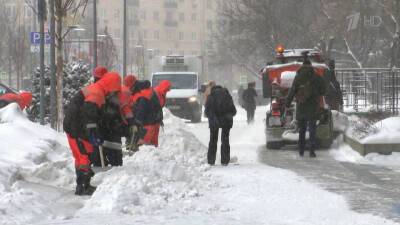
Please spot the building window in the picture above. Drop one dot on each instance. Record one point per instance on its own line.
(117, 33)
(195, 53)
(157, 35)
(156, 15)
(209, 25)
(28, 12)
(194, 36)
(194, 17)
(169, 52)
(181, 52)
(209, 4)
(143, 15)
(116, 14)
(181, 35)
(169, 16)
(169, 35)
(181, 17)
(104, 13)
(144, 34)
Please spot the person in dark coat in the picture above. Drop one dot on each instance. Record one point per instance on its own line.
(249, 101)
(220, 111)
(308, 88)
(115, 121)
(81, 124)
(148, 114)
(240, 95)
(333, 95)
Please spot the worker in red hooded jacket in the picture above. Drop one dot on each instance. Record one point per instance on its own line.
(81, 123)
(125, 97)
(153, 130)
(148, 111)
(99, 72)
(24, 99)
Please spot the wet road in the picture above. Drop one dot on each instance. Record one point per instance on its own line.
(367, 188)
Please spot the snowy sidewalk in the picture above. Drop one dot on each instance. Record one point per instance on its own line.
(367, 188)
(172, 184)
(255, 193)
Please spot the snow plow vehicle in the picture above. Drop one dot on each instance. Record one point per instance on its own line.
(281, 126)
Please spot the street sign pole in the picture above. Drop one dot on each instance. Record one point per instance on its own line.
(41, 17)
(94, 34)
(125, 41)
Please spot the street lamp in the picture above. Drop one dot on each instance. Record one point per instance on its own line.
(79, 39)
(139, 49)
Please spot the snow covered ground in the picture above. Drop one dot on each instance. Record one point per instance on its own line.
(381, 132)
(169, 185)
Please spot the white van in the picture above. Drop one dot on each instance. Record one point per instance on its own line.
(184, 98)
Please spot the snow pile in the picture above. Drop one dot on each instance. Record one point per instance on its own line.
(30, 155)
(340, 121)
(359, 128)
(154, 178)
(345, 153)
(36, 166)
(386, 131)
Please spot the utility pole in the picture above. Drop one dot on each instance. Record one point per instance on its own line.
(125, 41)
(94, 34)
(53, 92)
(41, 18)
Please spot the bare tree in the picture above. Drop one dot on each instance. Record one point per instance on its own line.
(362, 32)
(13, 43)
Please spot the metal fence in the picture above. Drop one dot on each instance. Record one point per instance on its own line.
(370, 89)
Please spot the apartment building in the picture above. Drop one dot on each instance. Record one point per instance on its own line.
(159, 27)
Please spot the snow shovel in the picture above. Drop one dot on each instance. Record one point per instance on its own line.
(103, 165)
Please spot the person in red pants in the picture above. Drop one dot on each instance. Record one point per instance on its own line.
(153, 130)
(82, 117)
(147, 110)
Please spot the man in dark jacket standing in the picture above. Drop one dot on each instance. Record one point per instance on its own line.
(307, 87)
(334, 96)
(220, 111)
(249, 101)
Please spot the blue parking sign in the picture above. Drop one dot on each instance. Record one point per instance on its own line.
(35, 38)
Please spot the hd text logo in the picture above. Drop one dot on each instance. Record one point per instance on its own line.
(368, 21)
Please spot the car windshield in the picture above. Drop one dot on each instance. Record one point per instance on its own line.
(178, 81)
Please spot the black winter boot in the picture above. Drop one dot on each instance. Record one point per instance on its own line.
(83, 186)
(312, 154)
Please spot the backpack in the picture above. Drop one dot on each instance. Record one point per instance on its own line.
(156, 109)
(304, 92)
(223, 102)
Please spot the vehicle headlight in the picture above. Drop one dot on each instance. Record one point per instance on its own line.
(192, 99)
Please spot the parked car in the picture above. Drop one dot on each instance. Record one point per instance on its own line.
(5, 89)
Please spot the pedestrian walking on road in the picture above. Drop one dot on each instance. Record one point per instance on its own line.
(249, 101)
(307, 88)
(220, 111)
(333, 95)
